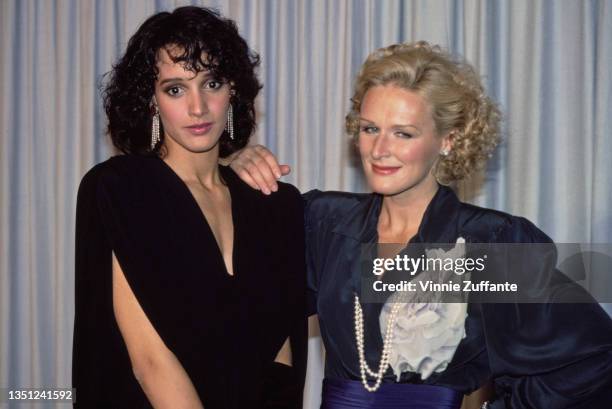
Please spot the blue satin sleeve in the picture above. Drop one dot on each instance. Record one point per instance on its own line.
(323, 212)
(553, 355)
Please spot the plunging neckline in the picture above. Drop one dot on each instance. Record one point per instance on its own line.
(204, 221)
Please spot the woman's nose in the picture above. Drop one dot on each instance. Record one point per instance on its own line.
(380, 149)
(197, 105)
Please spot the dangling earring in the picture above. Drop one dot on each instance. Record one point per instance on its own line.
(155, 129)
(230, 122)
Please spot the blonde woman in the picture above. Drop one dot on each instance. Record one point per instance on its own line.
(421, 119)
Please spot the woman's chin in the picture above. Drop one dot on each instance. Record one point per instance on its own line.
(388, 187)
(386, 190)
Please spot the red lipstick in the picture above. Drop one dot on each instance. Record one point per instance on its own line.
(384, 170)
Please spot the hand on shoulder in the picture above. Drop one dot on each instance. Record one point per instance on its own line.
(259, 168)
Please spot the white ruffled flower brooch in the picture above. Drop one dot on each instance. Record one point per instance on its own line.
(426, 334)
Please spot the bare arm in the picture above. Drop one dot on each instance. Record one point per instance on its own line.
(259, 168)
(284, 355)
(156, 368)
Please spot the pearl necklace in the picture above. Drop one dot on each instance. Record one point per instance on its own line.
(386, 352)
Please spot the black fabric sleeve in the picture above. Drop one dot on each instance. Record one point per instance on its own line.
(283, 385)
(299, 329)
(101, 372)
(132, 235)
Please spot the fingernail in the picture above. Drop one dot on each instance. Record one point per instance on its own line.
(277, 174)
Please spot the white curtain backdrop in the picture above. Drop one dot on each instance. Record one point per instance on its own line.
(547, 63)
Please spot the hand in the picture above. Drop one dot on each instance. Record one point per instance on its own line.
(258, 167)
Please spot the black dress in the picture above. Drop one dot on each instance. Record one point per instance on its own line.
(225, 330)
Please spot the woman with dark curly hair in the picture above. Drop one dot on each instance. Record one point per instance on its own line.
(421, 119)
(184, 297)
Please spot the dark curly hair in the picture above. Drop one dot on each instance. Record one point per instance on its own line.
(208, 42)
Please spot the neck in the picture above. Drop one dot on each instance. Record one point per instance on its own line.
(201, 167)
(401, 214)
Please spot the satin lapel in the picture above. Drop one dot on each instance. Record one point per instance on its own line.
(440, 221)
(358, 228)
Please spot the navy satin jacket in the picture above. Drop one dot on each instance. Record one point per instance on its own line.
(538, 355)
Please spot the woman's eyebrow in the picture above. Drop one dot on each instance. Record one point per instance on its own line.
(406, 126)
(397, 126)
(205, 76)
(172, 79)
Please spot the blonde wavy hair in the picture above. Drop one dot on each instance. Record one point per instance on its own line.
(456, 96)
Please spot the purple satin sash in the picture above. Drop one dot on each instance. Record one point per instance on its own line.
(347, 394)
